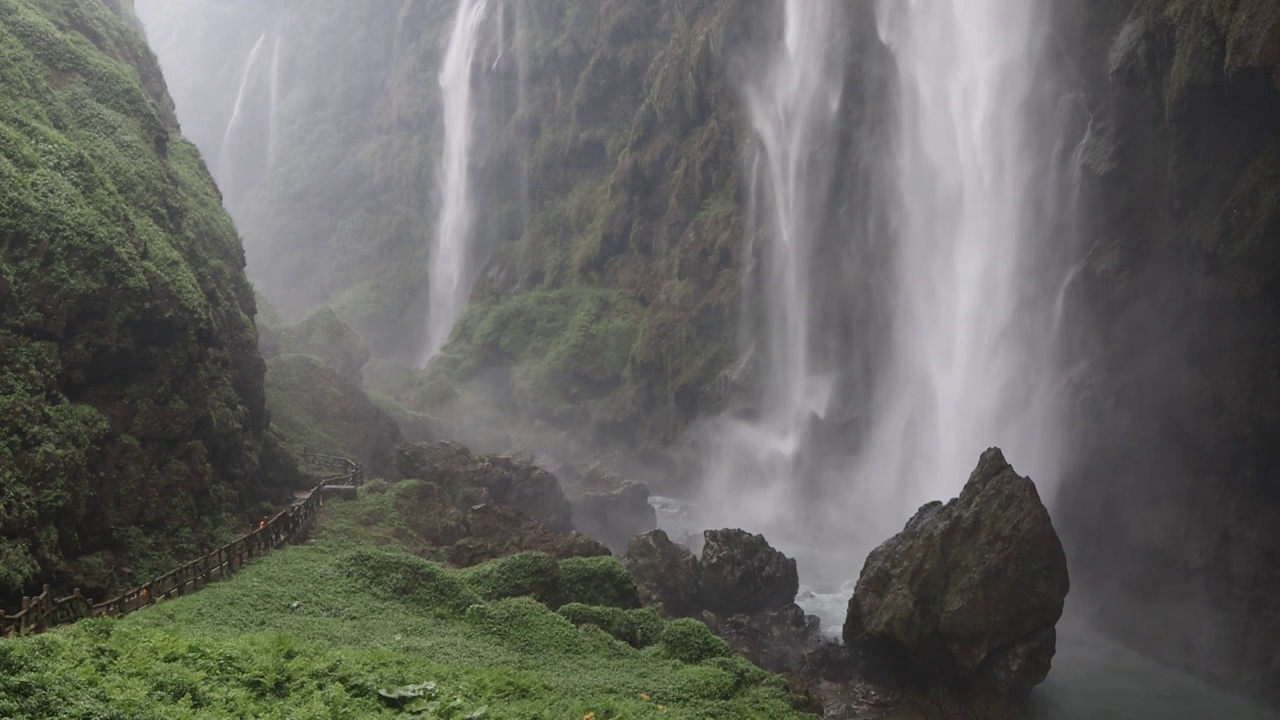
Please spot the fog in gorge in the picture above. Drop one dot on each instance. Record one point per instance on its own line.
(796, 264)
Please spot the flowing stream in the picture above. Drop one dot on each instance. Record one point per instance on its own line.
(450, 273)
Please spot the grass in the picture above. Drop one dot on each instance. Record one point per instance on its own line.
(350, 626)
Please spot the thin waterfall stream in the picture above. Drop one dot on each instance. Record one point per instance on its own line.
(450, 271)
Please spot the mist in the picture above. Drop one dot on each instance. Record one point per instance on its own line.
(795, 267)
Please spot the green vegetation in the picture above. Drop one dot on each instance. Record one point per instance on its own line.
(323, 335)
(131, 409)
(315, 407)
(610, 199)
(565, 352)
(342, 628)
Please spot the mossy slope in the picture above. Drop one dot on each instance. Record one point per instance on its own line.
(328, 631)
(131, 397)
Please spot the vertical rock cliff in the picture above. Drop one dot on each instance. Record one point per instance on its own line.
(131, 389)
(1172, 509)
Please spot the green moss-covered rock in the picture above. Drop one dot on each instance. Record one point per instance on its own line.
(529, 574)
(315, 408)
(689, 640)
(597, 581)
(323, 335)
(638, 628)
(130, 384)
(411, 580)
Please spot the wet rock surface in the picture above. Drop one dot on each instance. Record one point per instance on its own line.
(614, 517)
(509, 481)
(969, 592)
(465, 535)
(776, 640)
(666, 574)
(743, 575)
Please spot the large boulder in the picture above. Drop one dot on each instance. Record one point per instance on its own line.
(513, 482)
(743, 575)
(969, 592)
(614, 517)
(666, 574)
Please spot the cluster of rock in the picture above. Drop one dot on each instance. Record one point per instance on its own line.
(474, 508)
(610, 508)
(956, 610)
(742, 588)
(964, 599)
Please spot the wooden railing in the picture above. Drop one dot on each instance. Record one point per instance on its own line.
(348, 471)
(44, 611)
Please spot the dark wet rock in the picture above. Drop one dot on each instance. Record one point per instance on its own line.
(776, 640)
(666, 574)
(489, 478)
(970, 591)
(743, 575)
(468, 535)
(494, 531)
(614, 517)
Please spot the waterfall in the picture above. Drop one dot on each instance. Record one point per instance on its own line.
(274, 102)
(792, 105)
(971, 359)
(523, 33)
(225, 156)
(450, 272)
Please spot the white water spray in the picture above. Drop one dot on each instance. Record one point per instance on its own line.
(792, 106)
(971, 362)
(450, 272)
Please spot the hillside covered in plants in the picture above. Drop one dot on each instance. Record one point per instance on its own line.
(132, 418)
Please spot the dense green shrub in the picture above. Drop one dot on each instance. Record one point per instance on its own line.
(689, 640)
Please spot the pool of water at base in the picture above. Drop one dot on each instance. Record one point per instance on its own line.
(1093, 678)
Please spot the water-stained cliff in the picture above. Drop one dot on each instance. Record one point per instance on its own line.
(614, 231)
(132, 412)
(1172, 505)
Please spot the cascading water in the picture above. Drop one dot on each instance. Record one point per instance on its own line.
(273, 134)
(792, 106)
(226, 149)
(971, 356)
(450, 272)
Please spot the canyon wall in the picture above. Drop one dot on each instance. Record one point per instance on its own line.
(132, 417)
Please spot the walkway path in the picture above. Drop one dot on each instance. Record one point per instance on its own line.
(45, 611)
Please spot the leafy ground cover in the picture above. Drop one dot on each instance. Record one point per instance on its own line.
(352, 626)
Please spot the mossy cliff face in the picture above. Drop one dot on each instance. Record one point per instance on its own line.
(1172, 508)
(608, 144)
(131, 395)
(336, 199)
(614, 310)
(612, 306)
